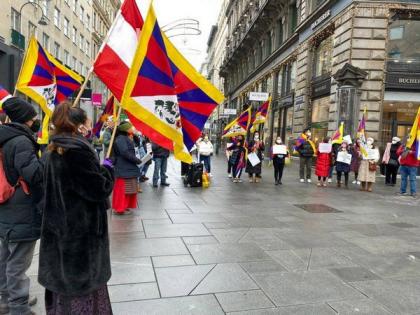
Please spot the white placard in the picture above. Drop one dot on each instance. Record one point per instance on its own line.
(344, 157)
(372, 154)
(145, 159)
(347, 139)
(258, 96)
(325, 147)
(229, 144)
(149, 147)
(253, 159)
(279, 149)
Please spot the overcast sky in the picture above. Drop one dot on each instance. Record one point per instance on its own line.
(206, 11)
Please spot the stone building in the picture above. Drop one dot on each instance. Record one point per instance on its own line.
(324, 61)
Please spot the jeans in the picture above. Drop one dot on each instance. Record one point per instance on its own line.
(161, 164)
(278, 169)
(206, 160)
(15, 259)
(411, 172)
(305, 162)
(391, 172)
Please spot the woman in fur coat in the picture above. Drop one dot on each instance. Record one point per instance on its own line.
(74, 262)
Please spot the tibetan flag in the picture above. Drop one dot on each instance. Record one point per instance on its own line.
(4, 95)
(261, 115)
(107, 112)
(414, 140)
(239, 126)
(44, 79)
(361, 134)
(43, 135)
(338, 135)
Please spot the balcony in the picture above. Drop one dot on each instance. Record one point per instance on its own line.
(18, 40)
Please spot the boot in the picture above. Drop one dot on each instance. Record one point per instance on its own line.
(339, 184)
(369, 187)
(346, 183)
(363, 186)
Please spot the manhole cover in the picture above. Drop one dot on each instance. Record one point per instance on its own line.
(403, 225)
(317, 208)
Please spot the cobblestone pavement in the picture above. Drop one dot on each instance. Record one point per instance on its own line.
(264, 249)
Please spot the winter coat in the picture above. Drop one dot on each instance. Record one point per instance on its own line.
(342, 167)
(20, 216)
(159, 152)
(323, 164)
(306, 150)
(409, 160)
(278, 158)
(74, 251)
(205, 148)
(366, 175)
(355, 159)
(237, 153)
(391, 152)
(258, 148)
(125, 165)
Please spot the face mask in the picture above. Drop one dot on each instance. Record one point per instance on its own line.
(36, 125)
(369, 142)
(309, 134)
(278, 141)
(256, 137)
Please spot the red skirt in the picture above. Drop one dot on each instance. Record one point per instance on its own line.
(122, 201)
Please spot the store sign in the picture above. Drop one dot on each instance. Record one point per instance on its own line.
(287, 101)
(229, 111)
(299, 102)
(321, 88)
(403, 81)
(258, 96)
(321, 19)
(96, 99)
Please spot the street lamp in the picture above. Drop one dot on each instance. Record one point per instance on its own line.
(42, 21)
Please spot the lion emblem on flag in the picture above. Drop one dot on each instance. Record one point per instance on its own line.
(168, 111)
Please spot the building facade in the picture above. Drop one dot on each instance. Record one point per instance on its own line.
(324, 62)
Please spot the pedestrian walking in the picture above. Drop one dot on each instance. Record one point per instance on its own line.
(20, 218)
(355, 161)
(124, 196)
(368, 166)
(408, 170)
(279, 153)
(74, 262)
(343, 167)
(323, 165)
(390, 160)
(255, 146)
(237, 159)
(306, 150)
(160, 157)
(205, 151)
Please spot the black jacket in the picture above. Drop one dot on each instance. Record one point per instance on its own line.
(305, 149)
(74, 252)
(20, 217)
(159, 152)
(125, 158)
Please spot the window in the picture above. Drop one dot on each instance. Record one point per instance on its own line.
(15, 20)
(56, 50)
(323, 57)
(404, 43)
(57, 17)
(279, 35)
(87, 48)
(94, 21)
(66, 27)
(46, 41)
(45, 8)
(66, 57)
(80, 68)
(74, 35)
(75, 4)
(81, 41)
(73, 63)
(293, 16)
(87, 22)
(67, 2)
(31, 29)
(82, 13)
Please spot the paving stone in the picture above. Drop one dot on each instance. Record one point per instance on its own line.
(292, 288)
(231, 235)
(353, 274)
(125, 226)
(317, 208)
(199, 240)
(173, 230)
(178, 211)
(311, 309)
(225, 253)
(217, 225)
(188, 305)
(156, 221)
(151, 214)
(403, 225)
(196, 218)
(243, 300)
(131, 270)
(180, 281)
(172, 261)
(133, 292)
(137, 247)
(225, 278)
(362, 307)
(263, 267)
(385, 244)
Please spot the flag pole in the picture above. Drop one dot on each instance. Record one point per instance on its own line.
(114, 131)
(83, 87)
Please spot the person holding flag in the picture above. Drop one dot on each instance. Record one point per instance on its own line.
(306, 149)
(255, 146)
(238, 158)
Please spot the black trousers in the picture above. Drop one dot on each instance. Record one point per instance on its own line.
(278, 169)
(391, 172)
(346, 177)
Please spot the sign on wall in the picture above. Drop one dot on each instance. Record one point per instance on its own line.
(258, 96)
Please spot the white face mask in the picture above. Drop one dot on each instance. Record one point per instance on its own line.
(369, 142)
(256, 137)
(309, 134)
(278, 141)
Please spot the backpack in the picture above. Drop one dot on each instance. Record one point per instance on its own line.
(7, 190)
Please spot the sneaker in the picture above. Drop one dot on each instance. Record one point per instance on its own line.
(325, 184)
(210, 175)
(402, 194)
(155, 186)
(276, 183)
(309, 180)
(414, 195)
(302, 180)
(239, 180)
(280, 183)
(128, 212)
(319, 184)
(329, 180)
(251, 180)
(358, 182)
(354, 182)
(230, 175)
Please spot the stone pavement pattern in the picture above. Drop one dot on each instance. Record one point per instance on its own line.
(253, 249)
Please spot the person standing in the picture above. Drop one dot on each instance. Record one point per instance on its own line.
(409, 165)
(255, 146)
(355, 161)
(279, 160)
(20, 216)
(74, 261)
(306, 150)
(228, 154)
(205, 151)
(390, 160)
(368, 166)
(126, 170)
(323, 165)
(97, 144)
(343, 167)
(237, 159)
(160, 157)
(107, 135)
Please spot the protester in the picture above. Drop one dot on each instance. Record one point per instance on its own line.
(368, 166)
(20, 216)
(205, 151)
(228, 155)
(124, 197)
(278, 161)
(409, 165)
(237, 159)
(160, 157)
(107, 135)
(390, 160)
(343, 167)
(255, 146)
(323, 165)
(355, 161)
(306, 150)
(74, 262)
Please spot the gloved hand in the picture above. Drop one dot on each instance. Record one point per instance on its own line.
(108, 163)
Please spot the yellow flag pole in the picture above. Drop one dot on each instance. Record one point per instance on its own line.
(114, 131)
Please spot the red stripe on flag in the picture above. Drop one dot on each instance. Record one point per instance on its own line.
(158, 57)
(193, 132)
(204, 109)
(147, 87)
(131, 14)
(182, 83)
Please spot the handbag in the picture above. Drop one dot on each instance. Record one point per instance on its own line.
(372, 166)
(393, 162)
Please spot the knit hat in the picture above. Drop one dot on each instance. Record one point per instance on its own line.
(125, 126)
(19, 110)
(396, 139)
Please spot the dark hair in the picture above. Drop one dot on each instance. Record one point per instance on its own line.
(326, 139)
(66, 119)
(2, 118)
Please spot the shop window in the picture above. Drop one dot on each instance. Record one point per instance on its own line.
(323, 58)
(280, 82)
(320, 117)
(404, 41)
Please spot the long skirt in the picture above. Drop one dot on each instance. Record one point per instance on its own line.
(125, 194)
(94, 303)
